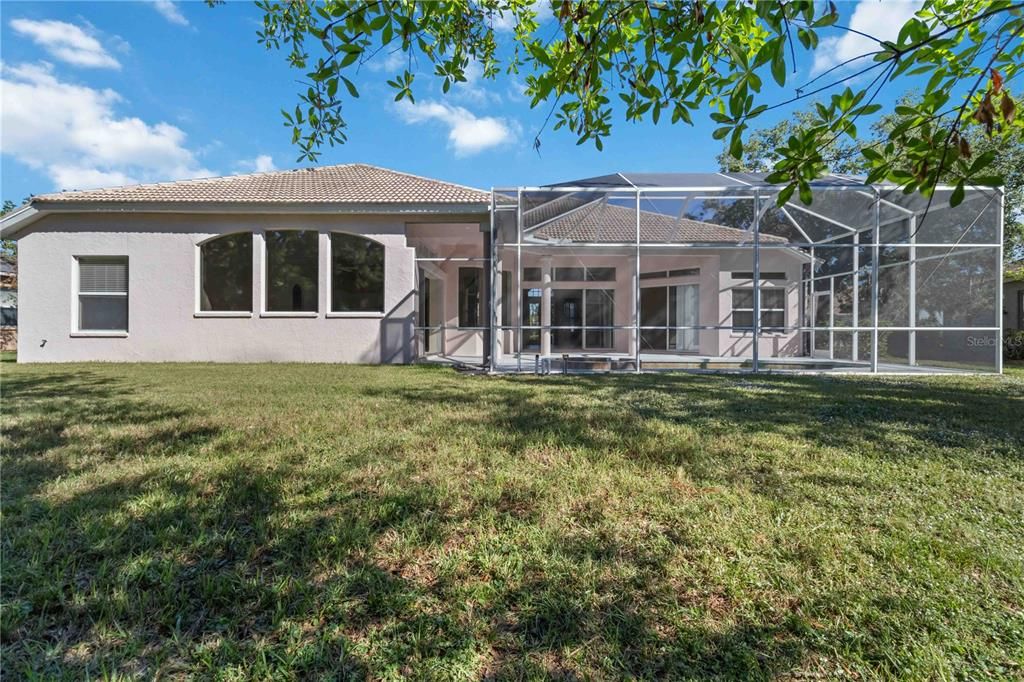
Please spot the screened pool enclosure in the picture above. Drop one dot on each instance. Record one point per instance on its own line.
(644, 272)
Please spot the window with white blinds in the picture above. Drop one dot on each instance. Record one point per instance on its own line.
(773, 308)
(103, 293)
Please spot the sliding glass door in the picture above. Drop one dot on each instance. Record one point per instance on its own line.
(684, 311)
(600, 316)
(665, 308)
(582, 318)
(567, 318)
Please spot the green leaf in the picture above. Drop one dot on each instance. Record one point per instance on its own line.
(350, 87)
(982, 160)
(785, 194)
(988, 181)
(736, 145)
(349, 59)
(957, 197)
(779, 68)
(806, 195)
(871, 154)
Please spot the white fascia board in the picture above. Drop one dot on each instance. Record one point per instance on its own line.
(17, 219)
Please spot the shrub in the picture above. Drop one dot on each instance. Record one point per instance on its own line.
(1013, 345)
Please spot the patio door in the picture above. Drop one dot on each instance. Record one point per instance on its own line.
(822, 317)
(567, 318)
(684, 311)
(585, 317)
(666, 308)
(600, 316)
(431, 313)
(531, 318)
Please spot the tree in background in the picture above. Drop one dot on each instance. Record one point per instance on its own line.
(8, 247)
(677, 59)
(759, 149)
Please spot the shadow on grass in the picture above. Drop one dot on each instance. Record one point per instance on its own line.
(891, 419)
(166, 569)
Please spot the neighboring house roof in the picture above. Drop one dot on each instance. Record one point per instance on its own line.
(352, 183)
(600, 221)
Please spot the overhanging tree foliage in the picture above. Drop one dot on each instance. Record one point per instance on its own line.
(847, 157)
(677, 60)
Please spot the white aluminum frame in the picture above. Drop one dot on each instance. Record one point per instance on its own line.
(751, 192)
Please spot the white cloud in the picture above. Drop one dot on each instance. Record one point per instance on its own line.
(474, 88)
(66, 42)
(73, 134)
(392, 62)
(264, 163)
(882, 20)
(170, 12)
(79, 177)
(516, 90)
(467, 133)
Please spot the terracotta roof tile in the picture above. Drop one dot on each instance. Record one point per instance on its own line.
(600, 221)
(353, 183)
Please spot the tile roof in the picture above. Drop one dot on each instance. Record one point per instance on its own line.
(600, 221)
(351, 183)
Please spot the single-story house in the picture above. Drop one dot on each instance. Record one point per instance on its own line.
(356, 263)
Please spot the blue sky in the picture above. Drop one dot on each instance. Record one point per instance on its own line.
(109, 93)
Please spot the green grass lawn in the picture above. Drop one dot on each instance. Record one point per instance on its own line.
(328, 521)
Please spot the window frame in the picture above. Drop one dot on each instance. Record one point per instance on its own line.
(1020, 309)
(772, 275)
(769, 329)
(560, 274)
(370, 314)
(198, 311)
(265, 271)
(76, 297)
(506, 300)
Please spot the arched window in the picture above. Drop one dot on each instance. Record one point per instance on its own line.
(225, 271)
(292, 271)
(357, 274)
